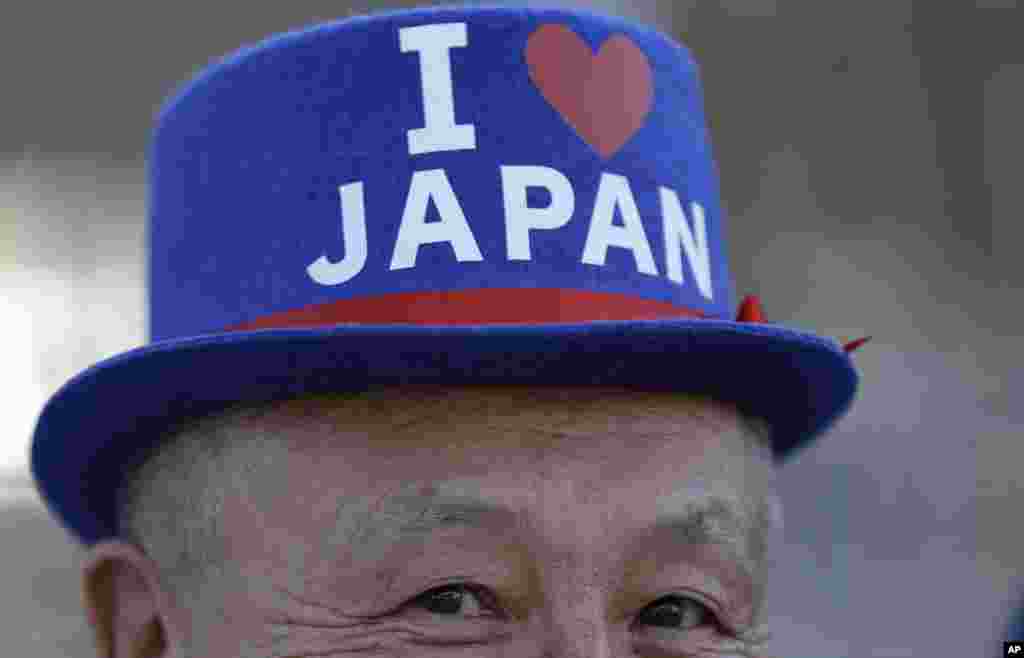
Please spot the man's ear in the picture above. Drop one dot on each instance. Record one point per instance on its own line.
(126, 606)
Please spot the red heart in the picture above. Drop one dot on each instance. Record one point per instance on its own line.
(604, 97)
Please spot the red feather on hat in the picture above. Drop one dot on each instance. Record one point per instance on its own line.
(750, 311)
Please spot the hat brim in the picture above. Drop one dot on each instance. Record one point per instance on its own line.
(106, 416)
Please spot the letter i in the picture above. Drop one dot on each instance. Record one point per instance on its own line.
(434, 44)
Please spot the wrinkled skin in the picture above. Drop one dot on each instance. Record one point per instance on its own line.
(317, 566)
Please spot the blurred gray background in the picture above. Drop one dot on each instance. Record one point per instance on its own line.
(870, 161)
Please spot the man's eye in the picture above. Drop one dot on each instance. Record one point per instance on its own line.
(680, 613)
(677, 613)
(451, 600)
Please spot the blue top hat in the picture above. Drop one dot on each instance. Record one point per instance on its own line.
(447, 195)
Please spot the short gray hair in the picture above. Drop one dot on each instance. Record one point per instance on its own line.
(170, 504)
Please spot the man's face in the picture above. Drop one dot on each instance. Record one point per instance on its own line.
(493, 522)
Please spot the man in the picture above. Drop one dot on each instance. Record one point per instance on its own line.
(418, 385)
(582, 522)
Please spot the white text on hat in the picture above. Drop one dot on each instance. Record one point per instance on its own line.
(433, 44)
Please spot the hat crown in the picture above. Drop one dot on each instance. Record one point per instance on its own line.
(459, 161)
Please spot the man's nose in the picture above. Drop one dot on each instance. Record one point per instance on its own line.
(574, 622)
(586, 638)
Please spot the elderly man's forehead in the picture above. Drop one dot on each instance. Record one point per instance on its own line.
(410, 406)
(510, 420)
(605, 434)
(650, 454)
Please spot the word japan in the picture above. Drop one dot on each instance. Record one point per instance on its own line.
(433, 44)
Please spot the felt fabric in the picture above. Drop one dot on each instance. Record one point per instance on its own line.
(445, 195)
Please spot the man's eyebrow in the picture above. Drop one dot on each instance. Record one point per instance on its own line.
(419, 510)
(703, 519)
(709, 520)
(443, 511)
